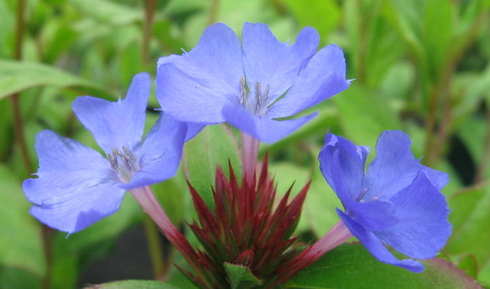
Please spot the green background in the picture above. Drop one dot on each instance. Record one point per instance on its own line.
(420, 66)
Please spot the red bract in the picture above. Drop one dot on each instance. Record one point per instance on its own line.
(245, 228)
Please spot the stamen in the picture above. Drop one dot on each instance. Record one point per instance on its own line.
(258, 105)
(243, 91)
(257, 96)
(123, 163)
(113, 158)
(361, 196)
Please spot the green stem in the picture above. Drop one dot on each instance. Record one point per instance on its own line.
(155, 249)
(361, 57)
(213, 12)
(14, 99)
(152, 234)
(435, 141)
(485, 157)
(19, 134)
(148, 30)
(430, 125)
(20, 139)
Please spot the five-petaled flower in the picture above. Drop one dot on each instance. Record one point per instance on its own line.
(252, 85)
(76, 186)
(397, 201)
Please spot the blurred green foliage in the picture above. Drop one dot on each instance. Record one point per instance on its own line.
(421, 66)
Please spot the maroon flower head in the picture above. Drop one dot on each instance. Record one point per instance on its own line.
(245, 228)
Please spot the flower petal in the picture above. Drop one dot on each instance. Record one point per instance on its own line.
(192, 130)
(376, 248)
(323, 77)
(342, 165)
(373, 215)
(274, 63)
(189, 99)
(86, 206)
(395, 168)
(217, 58)
(116, 124)
(261, 127)
(195, 86)
(72, 181)
(160, 152)
(424, 227)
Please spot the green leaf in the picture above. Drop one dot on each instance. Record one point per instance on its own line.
(351, 266)
(7, 22)
(56, 36)
(74, 252)
(18, 76)
(214, 146)
(437, 32)
(364, 115)
(240, 277)
(470, 217)
(20, 241)
(469, 264)
(374, 45)
(406, 17)
(109, 11)
(314, 13)
(133, 284)
(319, 208)
(12, 278)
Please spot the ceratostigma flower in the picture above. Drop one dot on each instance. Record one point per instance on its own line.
(76, 186)
(397, 201)
(250, 84)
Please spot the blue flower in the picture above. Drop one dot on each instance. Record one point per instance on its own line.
(76, 186)
(397, 201)
(250, 84)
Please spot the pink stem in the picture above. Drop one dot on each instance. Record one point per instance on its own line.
(250, 151)
(151, 206)
(339, 234)
(336, 236)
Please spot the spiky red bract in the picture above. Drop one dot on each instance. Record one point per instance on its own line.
(245, 228)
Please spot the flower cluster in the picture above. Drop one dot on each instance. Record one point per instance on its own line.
(253, 85)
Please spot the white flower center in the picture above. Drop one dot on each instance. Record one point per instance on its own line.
(258, 104)
(123, 163)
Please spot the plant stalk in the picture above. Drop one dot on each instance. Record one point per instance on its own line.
(250, 151)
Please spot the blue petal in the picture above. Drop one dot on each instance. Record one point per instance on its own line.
(273, 63)
(73, 180)
(394, 167)
(193, 129)
(86, 206)
(373, 215)
(160, 152)
(261, 127)
(376, 248)
(323, 77)
(116, 124)
(424, 227)
(195, 86)
(217, 58)
(189, 99)
(342, 165)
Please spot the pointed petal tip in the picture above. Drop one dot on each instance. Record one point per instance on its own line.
(330, 139)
